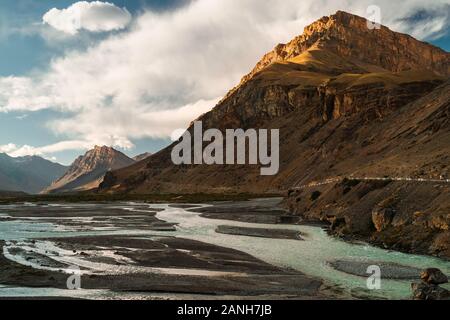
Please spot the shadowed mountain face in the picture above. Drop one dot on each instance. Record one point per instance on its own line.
(87, 171)
(350, 102)
(28, 174)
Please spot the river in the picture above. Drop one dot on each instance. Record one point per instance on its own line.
(310, 256)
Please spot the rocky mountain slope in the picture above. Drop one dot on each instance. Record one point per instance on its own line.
(142, 156)
(87, 171)
(398, 193)
(30, 174)
(325, 91)
(349, 102)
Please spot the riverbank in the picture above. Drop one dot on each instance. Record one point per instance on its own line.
(86, 197)
(406, 216)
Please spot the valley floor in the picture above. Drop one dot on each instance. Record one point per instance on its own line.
(231, 250)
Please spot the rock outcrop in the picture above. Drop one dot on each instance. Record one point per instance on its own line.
(428, 288)
(382, 218)
(433, 276)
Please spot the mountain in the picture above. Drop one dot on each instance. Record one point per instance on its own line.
(11, 194)
(30, 174)
(328, 90)
(364, 135)
(87, 171)
(142, 156)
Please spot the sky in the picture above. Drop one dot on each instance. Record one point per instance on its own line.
(128, 73)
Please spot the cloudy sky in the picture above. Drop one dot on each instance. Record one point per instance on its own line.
(127, 73)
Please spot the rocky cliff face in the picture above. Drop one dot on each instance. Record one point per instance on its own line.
(405, 216)
(400, 197)
(87, 171)
(349, 102)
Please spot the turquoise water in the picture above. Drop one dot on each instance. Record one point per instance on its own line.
(310, 256)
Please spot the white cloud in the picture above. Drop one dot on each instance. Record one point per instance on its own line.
(7, 148)
(25, 150)
(170, 67)
(130, 122)
(158, 124)
(93, 16)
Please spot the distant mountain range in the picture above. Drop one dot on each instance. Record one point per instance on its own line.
(30, 174)
(34, 174)
(87, 171)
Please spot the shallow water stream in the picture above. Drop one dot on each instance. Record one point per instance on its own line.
(311, 256)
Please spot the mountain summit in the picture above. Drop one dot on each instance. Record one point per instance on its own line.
(87, 171)
(348, 36)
